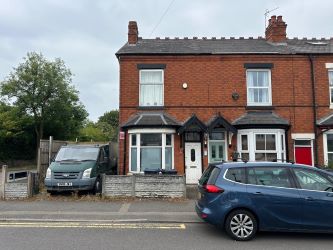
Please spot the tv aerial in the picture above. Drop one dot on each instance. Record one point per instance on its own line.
(267, 12)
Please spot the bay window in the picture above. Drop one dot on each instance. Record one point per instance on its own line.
(151, 87)
(262, 144)
(330, 79)
(328, 148)
(258, 87)
(151, 150)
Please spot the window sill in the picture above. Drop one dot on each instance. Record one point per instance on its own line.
(150, 107)
(268, 107)
(331, 106)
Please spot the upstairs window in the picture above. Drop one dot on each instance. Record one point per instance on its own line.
(151, 87)
(330, 80)
(258, 87)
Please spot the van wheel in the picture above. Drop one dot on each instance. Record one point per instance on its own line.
(241, 225)
(98, 186)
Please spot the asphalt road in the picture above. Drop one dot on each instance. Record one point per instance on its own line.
(69, 235)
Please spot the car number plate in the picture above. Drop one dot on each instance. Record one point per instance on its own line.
(65, 184)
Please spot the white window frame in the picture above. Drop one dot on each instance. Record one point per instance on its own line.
(269, 103)
(138, 133)
(325, 146)
(330, 87)
(162, 83)
(225, 146)
(251, 140)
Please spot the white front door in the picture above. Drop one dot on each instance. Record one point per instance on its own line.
(193, 161)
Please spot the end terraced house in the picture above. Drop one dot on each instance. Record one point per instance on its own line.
(185, 103)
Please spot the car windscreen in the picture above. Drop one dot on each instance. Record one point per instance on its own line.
(77, 154)
(209, 176)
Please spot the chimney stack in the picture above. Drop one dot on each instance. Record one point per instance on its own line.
(276, 30)
(132, 32)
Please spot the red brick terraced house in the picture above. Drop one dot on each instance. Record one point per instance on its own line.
(185, 103)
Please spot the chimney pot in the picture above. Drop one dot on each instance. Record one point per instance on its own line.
(132, 32)
(276, 30)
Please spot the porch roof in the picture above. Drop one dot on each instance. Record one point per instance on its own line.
(151, 119)
(219, 120)
(326, 121)
(193, 124)
(259, 119)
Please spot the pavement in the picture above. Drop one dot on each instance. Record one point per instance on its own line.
(164, 211)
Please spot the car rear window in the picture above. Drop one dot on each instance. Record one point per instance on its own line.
(209, 176)
(236, 174)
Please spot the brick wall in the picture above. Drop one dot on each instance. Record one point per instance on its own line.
(212, 80)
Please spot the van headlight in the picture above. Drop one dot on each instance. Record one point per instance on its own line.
(86, 173)
(48, 173)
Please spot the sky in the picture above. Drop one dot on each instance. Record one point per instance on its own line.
(86, 34)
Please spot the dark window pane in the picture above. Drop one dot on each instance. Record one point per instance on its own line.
(206, 174)
(133, 160)
(236, 174)
(270, 142)
(260, 156)
(302, 142)
(168, 139)
(133, 140)
(330, 142)
(151, 158)
(275, 177)
(213, 151)
(192, 137)
(151, 139)
(245, 157)
(271, 157)
(244, 142)
(260, 142)
(312, 180)
(168, 158)
(216, 136)
(221, 151)
(282, 143)
(193, 155)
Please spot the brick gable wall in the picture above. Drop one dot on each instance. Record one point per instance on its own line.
(212, 80)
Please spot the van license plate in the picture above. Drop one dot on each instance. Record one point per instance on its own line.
(65, 184)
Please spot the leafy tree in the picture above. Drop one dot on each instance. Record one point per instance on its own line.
(16, 134)
(109, 123)
(42, 89)
(91, 132)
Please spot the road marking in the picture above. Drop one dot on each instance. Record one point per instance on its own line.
(124, 208)
(93, 225)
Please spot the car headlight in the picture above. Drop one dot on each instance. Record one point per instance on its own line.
(48, 173)
(86, 173)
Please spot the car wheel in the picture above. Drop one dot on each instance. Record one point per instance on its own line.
(241, 225)
(98, 186)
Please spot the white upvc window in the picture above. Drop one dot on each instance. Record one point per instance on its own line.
(328, 148)
(151, 87)
(259, 92)
(151, 149)
(262, 144)
(330, 80)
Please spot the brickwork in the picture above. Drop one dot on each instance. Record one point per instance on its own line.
(212, 80)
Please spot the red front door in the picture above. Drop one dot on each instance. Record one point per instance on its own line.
(303, 155)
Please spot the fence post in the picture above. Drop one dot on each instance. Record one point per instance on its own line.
(39, 165)
(29, 194)
(103, 185)
(133, 184)
(3, 181)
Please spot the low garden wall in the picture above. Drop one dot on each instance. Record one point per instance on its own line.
(163, 186)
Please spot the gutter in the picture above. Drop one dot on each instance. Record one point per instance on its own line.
(314, 108)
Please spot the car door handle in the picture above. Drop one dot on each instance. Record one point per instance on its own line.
(309, 199)
(258, 193)
(329, 195)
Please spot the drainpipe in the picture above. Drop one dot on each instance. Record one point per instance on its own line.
(314, 107)
(124, 163)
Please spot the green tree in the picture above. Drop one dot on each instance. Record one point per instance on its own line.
(42, 89)
(16, 134)
(91, 132)
(109, 124)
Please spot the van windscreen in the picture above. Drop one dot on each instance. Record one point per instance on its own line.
(77, 154)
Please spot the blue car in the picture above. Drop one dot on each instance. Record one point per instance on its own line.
(244, 198)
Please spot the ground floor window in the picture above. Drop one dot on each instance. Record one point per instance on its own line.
(328, 148)
(261, 144)
(151, 149)
(217, 146)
